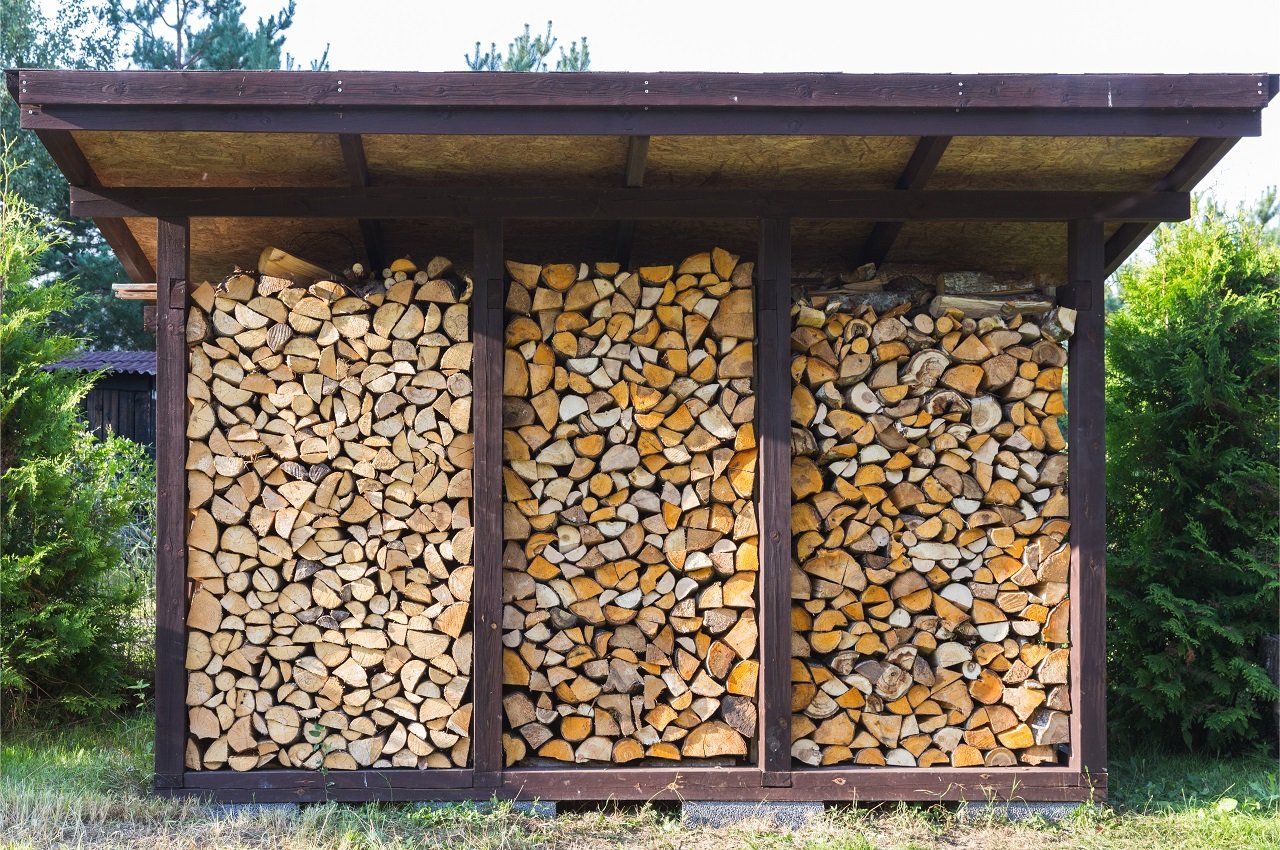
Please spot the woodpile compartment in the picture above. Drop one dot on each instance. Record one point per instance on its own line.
(329, 473)
(630, 539)
(329, 550)
(929, 518)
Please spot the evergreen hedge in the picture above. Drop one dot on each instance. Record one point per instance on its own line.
(66, 496)
(1192, 491)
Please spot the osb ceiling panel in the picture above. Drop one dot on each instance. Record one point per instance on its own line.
(1110, 163)
(214, 159)
(220, 245)
(1032, 247)
(778, 162)
(502, 160)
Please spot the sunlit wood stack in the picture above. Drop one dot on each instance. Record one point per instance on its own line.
(330, 541)
(930, 574)
(631, 553)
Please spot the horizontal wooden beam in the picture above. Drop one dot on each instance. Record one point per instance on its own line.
(439, 119)
(687, 782)
(634, 203)
(344, 89)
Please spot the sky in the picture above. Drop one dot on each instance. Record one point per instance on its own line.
(926, 36)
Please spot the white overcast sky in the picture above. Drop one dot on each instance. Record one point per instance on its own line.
(999, 36)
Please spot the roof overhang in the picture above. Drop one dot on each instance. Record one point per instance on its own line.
(963, 170)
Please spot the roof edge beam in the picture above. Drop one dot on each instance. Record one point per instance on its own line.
(341, 90)
(1197, 162)
(638, 203)
(358, 174)
(67, 155)
(634, 120)
(920, 167)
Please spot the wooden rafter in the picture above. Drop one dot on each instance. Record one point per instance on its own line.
(636, 203)
(358, 174)
(1190, 170)
(924, 161)
(633, 178)
(70, 159)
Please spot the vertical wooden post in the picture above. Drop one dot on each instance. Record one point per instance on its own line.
(773, 483)
(1087, 484)
(172, 263)
(486, 507)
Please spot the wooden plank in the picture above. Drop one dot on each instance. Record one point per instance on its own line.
(1183, 177)
(70, 159)
(342, 89)
(1086, 438)
(924, 160)
(592, 784)
(172, 261)
(947, 783)
(358, 171)
(600, 784)
(773, 300)
(637, 203)
(654, 121)
(486, 376)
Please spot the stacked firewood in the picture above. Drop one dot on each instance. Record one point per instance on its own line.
(330, 541)
(631, 551)
(929, 574)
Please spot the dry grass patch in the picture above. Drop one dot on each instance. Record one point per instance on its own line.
(86, 787)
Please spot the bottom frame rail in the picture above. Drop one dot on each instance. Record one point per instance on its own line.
(644, 784)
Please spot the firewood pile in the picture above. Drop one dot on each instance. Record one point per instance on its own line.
(329, 551)
(630, 556)
(929, 512)
(330, 543)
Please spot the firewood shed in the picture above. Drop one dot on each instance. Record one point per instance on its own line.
(725, 458)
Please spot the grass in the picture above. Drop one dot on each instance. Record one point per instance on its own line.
(86, 786)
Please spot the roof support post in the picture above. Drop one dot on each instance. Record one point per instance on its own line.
(358, 173)
(1086, 438)
(773, 482)
(637, 157)
(487, 501)
(173, 253)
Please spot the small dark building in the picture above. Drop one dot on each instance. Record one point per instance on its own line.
(124, 399)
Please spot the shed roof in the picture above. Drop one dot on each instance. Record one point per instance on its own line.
(337, 165)
(119, 362)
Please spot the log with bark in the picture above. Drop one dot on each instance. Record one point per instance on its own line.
(929, 573)
(630, 557)
(329, 547)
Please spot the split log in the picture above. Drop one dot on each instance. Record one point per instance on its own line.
(329, 548)
(930, 569)
(629, 524)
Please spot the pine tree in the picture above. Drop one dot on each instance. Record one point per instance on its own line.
(528, 52)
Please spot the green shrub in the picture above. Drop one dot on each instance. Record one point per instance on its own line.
(66, 497)
(1192, 485)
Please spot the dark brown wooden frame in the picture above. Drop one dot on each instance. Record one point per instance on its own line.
(773, 777)
(1217, 108)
